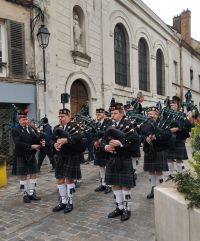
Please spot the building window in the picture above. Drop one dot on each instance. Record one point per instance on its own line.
(2, 50)
(16, 49)
(122, 63)
(143, 63)
(191, 77)
(175, 72)
(160, 72)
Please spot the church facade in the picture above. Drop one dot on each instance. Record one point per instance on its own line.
(100, 49)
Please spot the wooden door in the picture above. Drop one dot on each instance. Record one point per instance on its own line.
(78, 96)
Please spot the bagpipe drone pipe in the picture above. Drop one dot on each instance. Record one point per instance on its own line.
(89, 127)
(74, 135)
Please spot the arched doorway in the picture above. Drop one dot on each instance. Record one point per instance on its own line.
(78, 96)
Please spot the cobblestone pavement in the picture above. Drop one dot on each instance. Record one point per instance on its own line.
(88, 220)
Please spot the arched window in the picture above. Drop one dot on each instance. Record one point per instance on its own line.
(160, 72)
(143, 63)
(122, 63)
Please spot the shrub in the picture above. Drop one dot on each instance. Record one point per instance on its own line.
(188, 182)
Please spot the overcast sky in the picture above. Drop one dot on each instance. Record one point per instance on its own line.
(166, 10)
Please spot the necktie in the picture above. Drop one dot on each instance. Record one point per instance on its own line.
(26, 129)
(99, 125)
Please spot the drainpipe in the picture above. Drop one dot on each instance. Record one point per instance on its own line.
(181, 69)
(102, 62)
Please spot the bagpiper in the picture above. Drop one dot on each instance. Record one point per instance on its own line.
(27, 143)
(155, 142)
(67, 141)
(100, 155)
(119, 143)
(180, 129)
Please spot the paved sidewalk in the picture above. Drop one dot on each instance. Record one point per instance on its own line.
(88, 220)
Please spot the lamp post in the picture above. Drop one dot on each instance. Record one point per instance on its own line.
(43, 39)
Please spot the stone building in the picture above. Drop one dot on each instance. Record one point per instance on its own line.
(17, 67)
(101, 49)
(98, 49)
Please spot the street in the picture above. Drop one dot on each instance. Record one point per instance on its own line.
(88, 220)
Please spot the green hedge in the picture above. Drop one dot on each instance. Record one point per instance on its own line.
(188, 182)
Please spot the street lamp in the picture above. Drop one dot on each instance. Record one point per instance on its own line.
(43, 39)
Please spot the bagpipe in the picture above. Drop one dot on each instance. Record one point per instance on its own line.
(74, 135)
(89, 127)
(118, 133)
(143, 124)
(189, 105)
(170, 118)
(74, 130)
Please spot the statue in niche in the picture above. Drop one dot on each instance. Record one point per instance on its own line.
(77, 34)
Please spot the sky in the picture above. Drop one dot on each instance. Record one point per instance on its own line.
(166, 10)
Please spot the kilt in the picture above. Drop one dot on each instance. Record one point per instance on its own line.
(100, 162)
(179, 152)
(159, 163)
(24, 165)
(123, 176)
(68, 166)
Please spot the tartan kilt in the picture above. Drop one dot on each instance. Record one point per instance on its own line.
(68, 166)
(100, 162)
(24, 165)
(159, 163)
(122, 175)
(179, 152)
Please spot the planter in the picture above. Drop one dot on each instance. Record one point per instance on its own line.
(173, 220)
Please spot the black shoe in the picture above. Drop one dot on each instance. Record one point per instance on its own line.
(69, 207)
(135, 176)
(107, 190)
(34, 197)
(59, 207)
(101, 188)
(117, 212)
(151, 194)
(125, 215)
(77, 184)
(170, 177)
(26, 199)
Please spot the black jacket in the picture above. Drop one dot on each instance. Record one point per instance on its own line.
(23, 140)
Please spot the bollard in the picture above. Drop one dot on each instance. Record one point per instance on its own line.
(3, 174)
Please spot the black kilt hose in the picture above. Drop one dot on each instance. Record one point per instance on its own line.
(179, 152)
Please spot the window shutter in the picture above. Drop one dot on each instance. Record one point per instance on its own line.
(16, 49)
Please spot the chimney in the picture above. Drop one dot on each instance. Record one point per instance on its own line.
(186, 25)
(177, 23)
(182, 24)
